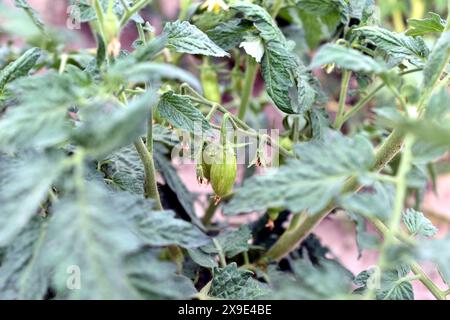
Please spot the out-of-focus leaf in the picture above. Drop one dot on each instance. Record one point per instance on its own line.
(346, 58)
(20, 276)
(431, 24)
(437, 251)
(89, 236)
(437, 61)
(111, 127)
(24, 183)
(328, 280)
(156, 279)
(377, 202)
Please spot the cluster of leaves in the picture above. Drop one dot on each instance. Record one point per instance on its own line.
(82, 136)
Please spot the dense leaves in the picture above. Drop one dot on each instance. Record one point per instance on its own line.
(310, 182)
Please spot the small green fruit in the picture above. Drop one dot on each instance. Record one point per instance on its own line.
(223, 172)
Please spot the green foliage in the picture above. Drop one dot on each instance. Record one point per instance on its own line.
(95, 201)
(318, 176)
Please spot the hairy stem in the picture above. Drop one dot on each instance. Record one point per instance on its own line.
(249, 82)
(342, 98)
(150, 186)
(132, 11)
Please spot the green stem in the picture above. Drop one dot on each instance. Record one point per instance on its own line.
(100, 18)
(361, 103)
(133, 10)
(150, 186)
(222, 260)
(342, 98)
(276, 8)
(249, 82)
(209, 213)
(396, 216)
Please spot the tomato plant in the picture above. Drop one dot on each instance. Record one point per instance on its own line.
(93, 207)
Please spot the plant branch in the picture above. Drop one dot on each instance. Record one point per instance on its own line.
(132, 11)
(150, 185)
(342, 98)
(249, 82)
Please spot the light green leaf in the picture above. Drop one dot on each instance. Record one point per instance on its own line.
(24, 183)
(20, 67)
(431, 24)
(396, 45)
(181, 113)
(346, 58)
(232, 283)
(20, 276)
(418, 224)
(308, 183)
(187, 38)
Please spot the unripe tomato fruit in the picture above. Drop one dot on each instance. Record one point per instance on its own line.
(223, 172)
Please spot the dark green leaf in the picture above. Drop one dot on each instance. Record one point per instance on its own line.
(396, 45)
(181, 113)
(187, 38)
(233, 283)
